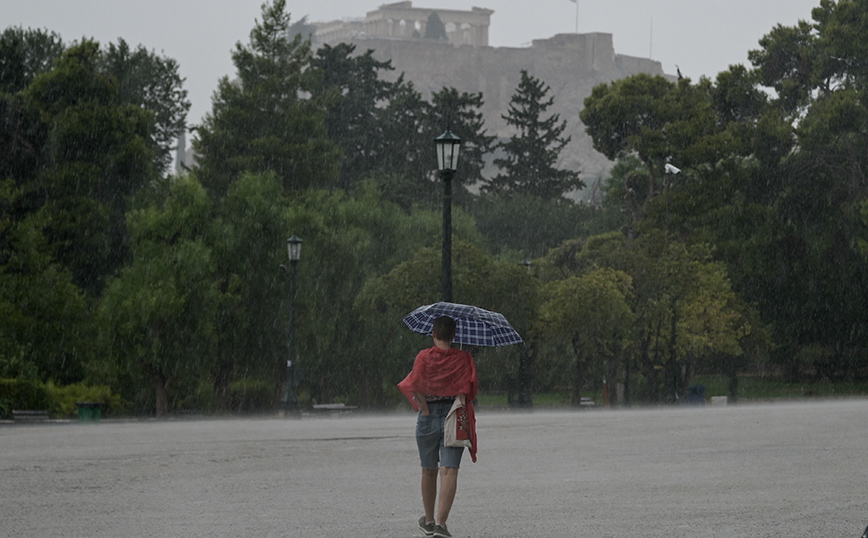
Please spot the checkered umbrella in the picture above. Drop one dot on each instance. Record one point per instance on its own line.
(473, 326)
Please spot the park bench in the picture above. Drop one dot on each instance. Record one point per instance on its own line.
(29, 416)
(333, 407)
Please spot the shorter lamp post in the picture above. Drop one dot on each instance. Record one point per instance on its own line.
(448, 146)
(290, 398)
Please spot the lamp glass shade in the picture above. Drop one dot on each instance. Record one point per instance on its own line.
(448, 146)
(293, 246)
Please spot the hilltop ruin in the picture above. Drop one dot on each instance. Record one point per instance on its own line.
(571, 64)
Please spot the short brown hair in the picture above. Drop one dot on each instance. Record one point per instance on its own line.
(444, 328)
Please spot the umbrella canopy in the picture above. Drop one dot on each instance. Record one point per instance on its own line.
(474, 326)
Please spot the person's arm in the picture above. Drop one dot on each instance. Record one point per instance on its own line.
(423, 403)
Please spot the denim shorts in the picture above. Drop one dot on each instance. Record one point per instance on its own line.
(429, 438)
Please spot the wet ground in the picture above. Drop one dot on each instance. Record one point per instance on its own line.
(775, 470)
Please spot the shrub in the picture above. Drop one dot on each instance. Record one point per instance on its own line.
(63, 398)
(22, 394)
(252, 395)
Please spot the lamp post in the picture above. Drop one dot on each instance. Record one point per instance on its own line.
(290, 398)
(524, 394)
(447, 146)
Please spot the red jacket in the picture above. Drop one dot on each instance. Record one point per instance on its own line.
(444, 372)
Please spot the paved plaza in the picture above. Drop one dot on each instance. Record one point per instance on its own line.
(771, 470)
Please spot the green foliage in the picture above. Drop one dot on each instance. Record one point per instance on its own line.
(773, 184)
(24, 54)
(22, 394)
(460, 113)
(408, 155)
(143, 80)
(356, 119)
(262, 122)
(592, 314)
(301, 27)
(626, 116)
(680, 307)
(528, 166)
(47, 326)
(100, 157)
(251, 395)
(543, 223)
(658, 121)
(64, 398)
(167, 295)
(153, 83)
(478, 279)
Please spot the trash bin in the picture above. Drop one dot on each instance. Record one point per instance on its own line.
(89, 411)
(696, 395)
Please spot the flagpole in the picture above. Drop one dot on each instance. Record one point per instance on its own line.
(577, 16)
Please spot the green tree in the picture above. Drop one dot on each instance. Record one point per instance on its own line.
(479, 279)
(101, 156)
(153, 83)
(252, 227)
(158, 316)
(76, 152)
(144, 79)
(408, 166)
(657, 120)
(460, 113)
(592, 314)
(24, 54)
(263, 121)
(47, 325)
(683, 310)
(356, 121)
(367, 233)
(801, 255)
(529, 164)
(525, 226)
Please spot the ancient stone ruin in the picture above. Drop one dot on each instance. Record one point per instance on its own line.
(571, 64)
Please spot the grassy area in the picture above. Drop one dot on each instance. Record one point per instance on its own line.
(541, 399)
(750, 388)
(769, 388)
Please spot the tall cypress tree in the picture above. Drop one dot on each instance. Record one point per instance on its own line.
(264, 120)
(529, 163)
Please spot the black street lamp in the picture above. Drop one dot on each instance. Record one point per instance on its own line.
(524, 392)
(448, 146)
(290, 398)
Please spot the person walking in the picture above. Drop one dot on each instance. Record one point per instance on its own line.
(440, 374)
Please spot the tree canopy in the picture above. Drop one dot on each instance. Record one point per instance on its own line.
(730, 235)
(264, 120)
(530, 156)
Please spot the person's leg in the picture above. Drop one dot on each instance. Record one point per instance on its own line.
(429, 492)
(428, 440)
(448, 487)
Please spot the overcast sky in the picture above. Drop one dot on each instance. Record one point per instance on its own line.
(702, 37)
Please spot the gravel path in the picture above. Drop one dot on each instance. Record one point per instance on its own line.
(774, 470)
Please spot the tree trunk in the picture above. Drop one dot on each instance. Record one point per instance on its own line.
(733, 380)
(221, 387)
(578, 376)
(162, 395)
(612, 373)
(672, 363)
